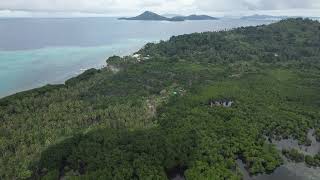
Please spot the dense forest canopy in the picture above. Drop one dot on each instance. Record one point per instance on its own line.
(143, 115)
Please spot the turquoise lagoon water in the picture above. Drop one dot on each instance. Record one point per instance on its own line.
(27, 69)
(36, 52)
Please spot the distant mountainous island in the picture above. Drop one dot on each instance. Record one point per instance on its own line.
(151, 16)
(264, 17)
(275, 18)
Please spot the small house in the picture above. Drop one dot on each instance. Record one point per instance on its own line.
(223, 103)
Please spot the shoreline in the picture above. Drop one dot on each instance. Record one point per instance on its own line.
(32, 68)
(99, 63)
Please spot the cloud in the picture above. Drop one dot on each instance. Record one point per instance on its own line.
(287, 4)
(227, 5)
(160, 6)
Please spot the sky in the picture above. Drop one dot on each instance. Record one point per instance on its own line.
(22, 8)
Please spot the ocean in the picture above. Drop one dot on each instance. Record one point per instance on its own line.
(39, 51)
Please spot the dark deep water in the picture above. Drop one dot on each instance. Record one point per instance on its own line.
(37, 33)
(38, 51)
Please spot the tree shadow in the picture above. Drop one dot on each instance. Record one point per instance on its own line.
(115, 154)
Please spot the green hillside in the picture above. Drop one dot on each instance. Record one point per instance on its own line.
(143, 116)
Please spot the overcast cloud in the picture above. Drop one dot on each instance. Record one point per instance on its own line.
(130, 7)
